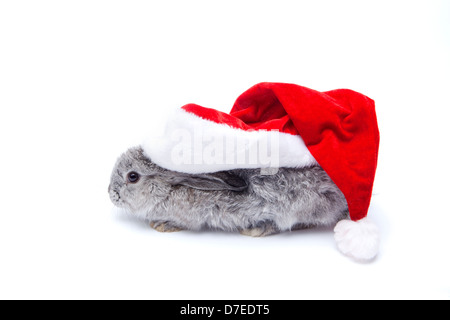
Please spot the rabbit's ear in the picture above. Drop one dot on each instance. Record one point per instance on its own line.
(209, 182)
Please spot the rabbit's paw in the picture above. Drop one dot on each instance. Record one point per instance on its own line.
(260, 230)
(162, 226)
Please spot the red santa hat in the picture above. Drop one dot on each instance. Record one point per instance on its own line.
(285, 125)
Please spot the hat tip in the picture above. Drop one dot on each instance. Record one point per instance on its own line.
(359, 240)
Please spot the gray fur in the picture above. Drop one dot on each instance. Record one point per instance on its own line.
(236, 200)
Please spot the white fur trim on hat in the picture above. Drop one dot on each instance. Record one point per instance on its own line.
(194, 145)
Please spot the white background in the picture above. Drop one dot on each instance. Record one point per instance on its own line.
(81, 81)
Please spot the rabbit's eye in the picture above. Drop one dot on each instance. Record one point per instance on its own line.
(133, 177)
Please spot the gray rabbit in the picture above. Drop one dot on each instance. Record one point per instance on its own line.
(237, 200)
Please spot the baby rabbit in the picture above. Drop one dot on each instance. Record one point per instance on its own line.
(237, 200)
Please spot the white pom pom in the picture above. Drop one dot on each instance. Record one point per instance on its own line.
(357, 239)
